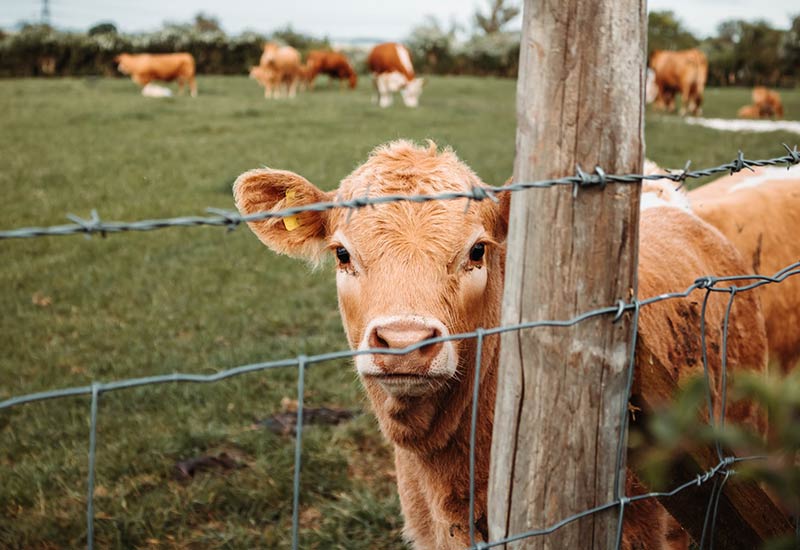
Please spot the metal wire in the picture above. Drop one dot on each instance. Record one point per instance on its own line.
(231, 220)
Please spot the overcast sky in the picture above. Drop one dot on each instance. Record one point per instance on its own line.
(344, 18)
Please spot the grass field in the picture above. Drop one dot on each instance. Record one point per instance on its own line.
(202, 299)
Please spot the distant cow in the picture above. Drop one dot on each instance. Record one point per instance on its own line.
(680, 72)
(145, 67)
(768, 102)
(333, 64)
(392, 71)
(284, 64)
(748, 111)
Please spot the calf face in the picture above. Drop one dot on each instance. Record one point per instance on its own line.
(406, 272)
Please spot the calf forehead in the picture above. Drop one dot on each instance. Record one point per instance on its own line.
(404, 169)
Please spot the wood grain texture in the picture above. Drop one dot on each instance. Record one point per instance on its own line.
(560, 391)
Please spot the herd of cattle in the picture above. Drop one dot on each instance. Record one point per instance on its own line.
(409, 272)
(684, 73)
(282, 73)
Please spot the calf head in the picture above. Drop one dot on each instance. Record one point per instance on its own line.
(406, 273)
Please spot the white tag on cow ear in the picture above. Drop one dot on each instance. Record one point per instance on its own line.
(291, 222)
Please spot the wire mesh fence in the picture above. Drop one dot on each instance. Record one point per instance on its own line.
(708, 284)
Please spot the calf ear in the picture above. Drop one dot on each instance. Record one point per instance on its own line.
(301, 235)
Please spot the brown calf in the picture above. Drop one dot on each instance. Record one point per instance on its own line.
(407, 272)
(759, 212)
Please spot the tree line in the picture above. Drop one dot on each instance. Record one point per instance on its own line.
(742, 53)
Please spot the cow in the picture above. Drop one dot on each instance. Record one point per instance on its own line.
(146, 67)
(680, 72)
(392, 71)
(768, 102)
(759, 212)
(283, 62)
(749, 111)
(333, 64)
(407, 272)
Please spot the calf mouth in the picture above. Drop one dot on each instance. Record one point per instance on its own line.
(406, 384)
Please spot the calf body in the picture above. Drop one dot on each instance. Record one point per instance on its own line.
(407, 272)
(759, 212)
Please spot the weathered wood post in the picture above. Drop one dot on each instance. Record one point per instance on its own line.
(561, 390)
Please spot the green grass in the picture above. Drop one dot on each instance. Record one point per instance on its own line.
(203, 299)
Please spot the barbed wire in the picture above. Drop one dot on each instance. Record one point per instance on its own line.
(231, 220)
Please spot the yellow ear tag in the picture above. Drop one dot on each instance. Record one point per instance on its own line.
(290, 222)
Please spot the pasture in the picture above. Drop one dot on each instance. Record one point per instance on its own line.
(203, 299)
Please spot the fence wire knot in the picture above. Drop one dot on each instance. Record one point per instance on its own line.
(620, 310)
(92, 225)
(601, 176)
(705, 282)
(794, 156)
(582, 180)
(680, 177)
(232, 219)
(740, 163)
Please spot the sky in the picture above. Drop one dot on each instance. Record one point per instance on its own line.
(344, 18)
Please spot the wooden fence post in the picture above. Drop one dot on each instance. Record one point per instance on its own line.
(561, 390)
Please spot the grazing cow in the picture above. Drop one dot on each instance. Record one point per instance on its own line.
(145, 67)
(759, 212)
(284, 64)
(392, 71)
(333, 64)
(407, 272)
(680, 72)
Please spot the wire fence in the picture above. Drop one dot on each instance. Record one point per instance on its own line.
(230, 219)
(734, 285)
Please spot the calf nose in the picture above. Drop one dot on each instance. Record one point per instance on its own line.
(398, 335)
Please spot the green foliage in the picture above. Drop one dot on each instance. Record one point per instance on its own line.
(683, 426)
(302, 42)
(499, 15)
(102, 28)
(435, 50)
(666, 32)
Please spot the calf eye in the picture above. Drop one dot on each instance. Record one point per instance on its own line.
(477, 252)
(342, 255)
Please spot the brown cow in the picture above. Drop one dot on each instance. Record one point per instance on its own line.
(283, 63)
(749, 111)
(146, 67)
(680, 72)
(392, 71)
(759, 212)
(333, 64)
(768, 102)
(407, 272)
